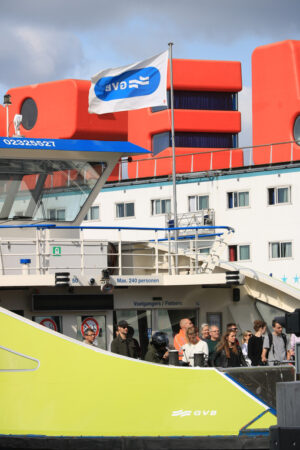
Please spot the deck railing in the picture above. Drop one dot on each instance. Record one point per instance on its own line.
(203, 160)
(167, 250)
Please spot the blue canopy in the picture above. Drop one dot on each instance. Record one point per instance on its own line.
(75, 145)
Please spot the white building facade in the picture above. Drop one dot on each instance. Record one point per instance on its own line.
(262, 205)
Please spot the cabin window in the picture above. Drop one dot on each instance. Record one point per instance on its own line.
(237, 199)
(198, 202)
(239, 252)
(46, 190)
(160, 206)
(29, 113)
(125, 210)
(93, 213)
(280, 250)
(279, 195)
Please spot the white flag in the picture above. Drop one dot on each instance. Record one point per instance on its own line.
(138, 85)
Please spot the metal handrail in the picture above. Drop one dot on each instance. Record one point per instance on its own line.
(193, 155)
(162, 256)
(84, 227)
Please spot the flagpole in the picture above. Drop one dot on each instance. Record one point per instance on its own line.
(170, 44)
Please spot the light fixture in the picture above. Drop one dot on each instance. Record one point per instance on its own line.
(6, 99)
(7, 103)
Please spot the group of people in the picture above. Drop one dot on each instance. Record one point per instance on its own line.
(218, 352)
(256, 349)
(263, 348)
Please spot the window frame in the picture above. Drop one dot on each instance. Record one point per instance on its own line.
(88, 216)
(153, 205)
(240, 191)
(124, 204)
(276, 202)
(238, 247)
(197, 202)
(56, 214)
(280, 250)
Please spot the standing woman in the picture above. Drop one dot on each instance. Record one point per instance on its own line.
(228, 353)
(246, 336)
(255, 343)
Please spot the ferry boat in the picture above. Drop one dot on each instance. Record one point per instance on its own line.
(57, 391)
(64, 268)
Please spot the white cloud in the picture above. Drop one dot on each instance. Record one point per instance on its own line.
(31, 55)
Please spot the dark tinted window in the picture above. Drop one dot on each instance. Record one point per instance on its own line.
(197, 100)
(29, 112)
(161, 141)
(297, 130)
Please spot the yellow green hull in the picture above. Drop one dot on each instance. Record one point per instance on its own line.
(52, 385)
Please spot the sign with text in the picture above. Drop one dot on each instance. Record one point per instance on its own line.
(137, 280)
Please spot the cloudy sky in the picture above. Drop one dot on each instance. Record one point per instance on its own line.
(46, 40)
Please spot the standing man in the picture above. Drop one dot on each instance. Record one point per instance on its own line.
(212, 343)
(205, 336)
(180, 338)
(122, 344)
(276, 345)
(89, 336)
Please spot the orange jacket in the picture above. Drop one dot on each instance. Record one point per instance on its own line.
(179, 341)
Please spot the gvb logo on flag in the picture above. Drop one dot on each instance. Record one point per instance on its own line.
(136, 86)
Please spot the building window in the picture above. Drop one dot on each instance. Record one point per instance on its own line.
(198, 202)
(57, 214)
(93, 213)
(280, 250)
(197, 100)
(161, 141)
(160, 206)
(279, 195)
(237, 199)
(125, 209)
(239, 252)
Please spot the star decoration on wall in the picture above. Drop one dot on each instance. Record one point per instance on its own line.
(284, 279)
(296, 279)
